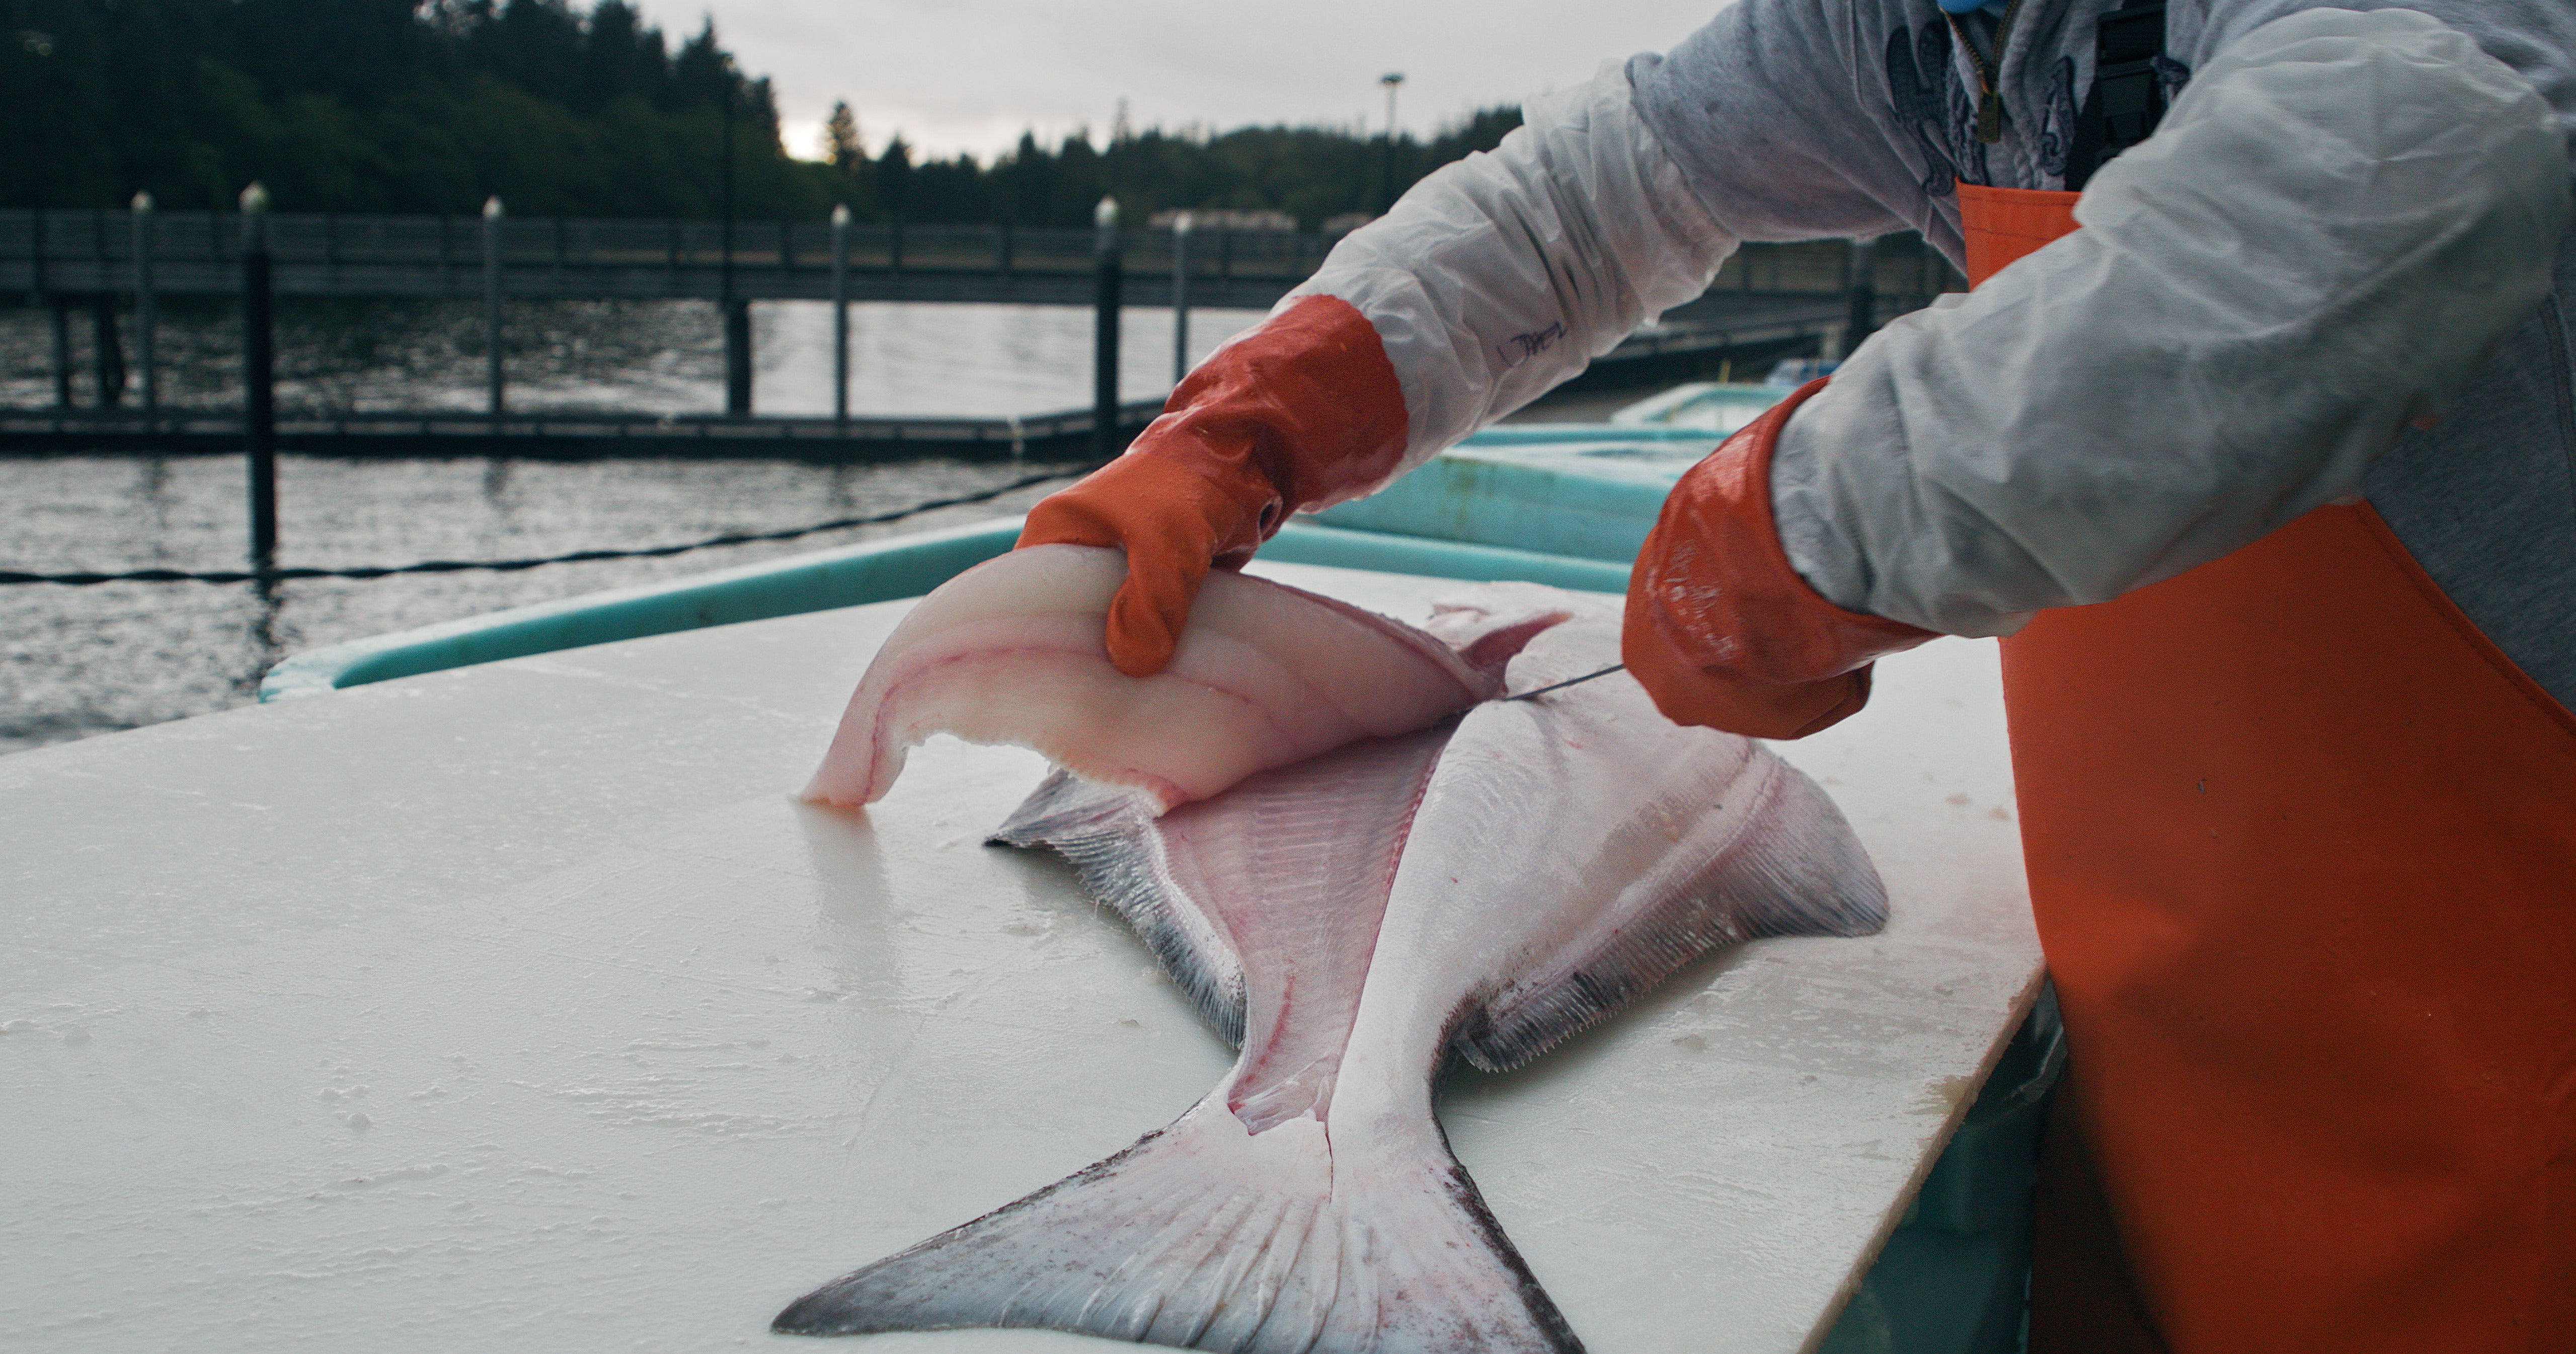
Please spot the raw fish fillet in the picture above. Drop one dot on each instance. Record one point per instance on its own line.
(1487, 885)
(1010, 651)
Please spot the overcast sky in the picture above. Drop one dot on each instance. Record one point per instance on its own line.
(968, 75)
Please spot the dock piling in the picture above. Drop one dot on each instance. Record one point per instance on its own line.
(1180, 297)
(492, 212)
(107, 350)
(147, 304)
(841, 313)
(1104, 333)
(1860, 291)
(259, 375)
(737, 345)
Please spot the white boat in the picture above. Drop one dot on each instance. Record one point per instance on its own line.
(485, 988)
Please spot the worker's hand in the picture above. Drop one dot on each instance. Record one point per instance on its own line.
(1300, 412)
(1720, 629)
(1175, 512)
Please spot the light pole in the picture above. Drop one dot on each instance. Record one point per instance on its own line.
(147, 303)
(737, 314)
(1391, 79)
(492, 213)
(259, 381)
(41, 46)
(1181, 296)
(841, 313)
(1104, 332)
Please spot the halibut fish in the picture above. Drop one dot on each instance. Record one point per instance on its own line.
(1485, 885)
(1010, 651)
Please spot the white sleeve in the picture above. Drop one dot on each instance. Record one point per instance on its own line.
(1504, 273)
(2338, 220)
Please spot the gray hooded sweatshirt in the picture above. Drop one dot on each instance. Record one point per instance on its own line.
(2342, 265)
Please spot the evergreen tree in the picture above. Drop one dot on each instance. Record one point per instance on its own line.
(894, 178)
(433, 105)
(841, 146)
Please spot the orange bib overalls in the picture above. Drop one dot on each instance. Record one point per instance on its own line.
(2302, 850)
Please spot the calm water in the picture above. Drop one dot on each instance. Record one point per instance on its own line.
(81, 661)
(648, 356)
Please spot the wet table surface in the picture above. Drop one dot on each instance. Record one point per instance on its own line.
(520, 1006)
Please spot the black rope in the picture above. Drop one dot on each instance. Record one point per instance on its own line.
(454, 566)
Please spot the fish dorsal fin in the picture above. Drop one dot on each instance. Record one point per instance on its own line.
(1204, 1236)
(1108, 834)
(1785, 863)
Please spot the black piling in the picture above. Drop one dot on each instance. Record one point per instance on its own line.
(737, 343)
(1104, 340)
(259, 380)
(62, 316)
(841, 313)
(1860, 294)
(147, 303)
(109, 350)
(492, 349)
(1180, 297)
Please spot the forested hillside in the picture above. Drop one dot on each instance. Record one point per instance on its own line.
(431, 105)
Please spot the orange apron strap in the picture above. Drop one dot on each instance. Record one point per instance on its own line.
(2003, 224)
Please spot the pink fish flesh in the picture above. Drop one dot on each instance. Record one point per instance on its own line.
(1485, 886)
(1010, 651)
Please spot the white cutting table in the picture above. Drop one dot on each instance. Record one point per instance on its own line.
(520, 1007)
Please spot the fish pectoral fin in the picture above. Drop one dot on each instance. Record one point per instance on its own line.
(1797, 870)
(1204, 1236)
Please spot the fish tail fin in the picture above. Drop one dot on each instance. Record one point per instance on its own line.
(1205, 1236)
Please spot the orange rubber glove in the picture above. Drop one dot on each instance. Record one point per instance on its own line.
(1720, 629)
(1301, 412)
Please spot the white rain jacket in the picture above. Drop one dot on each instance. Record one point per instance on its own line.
(2347, 222)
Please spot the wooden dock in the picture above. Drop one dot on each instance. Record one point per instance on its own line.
(570, 435)
(1770, 301)
(1697, 340)
(96, 253)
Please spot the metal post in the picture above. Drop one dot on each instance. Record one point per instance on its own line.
(38, 158)
(259, 374)
(1180, 297)
(492, 212)
(1860, 291)
(841, 313)
(1391, 79)
(1104, 343)
(147, 304)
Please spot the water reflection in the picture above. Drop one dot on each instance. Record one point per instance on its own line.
(79, 661)
(654, 357)
(267, 633)
(75, 661)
